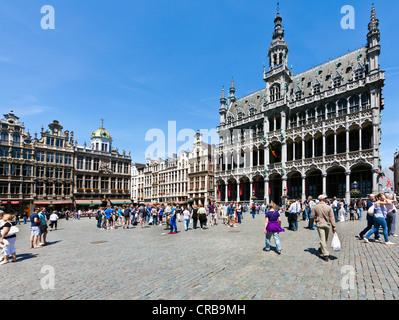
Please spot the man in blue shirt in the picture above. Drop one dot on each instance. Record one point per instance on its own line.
(173, 220)
(35, 229)
(108, 216)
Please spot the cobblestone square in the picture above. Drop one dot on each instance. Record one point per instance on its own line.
(218, 263)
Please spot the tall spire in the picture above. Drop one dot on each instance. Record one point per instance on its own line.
(373, 39)
(374, 22)
(232, 91)
(223, 99)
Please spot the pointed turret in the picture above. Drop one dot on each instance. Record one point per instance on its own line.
(232, 98)
(373, 39)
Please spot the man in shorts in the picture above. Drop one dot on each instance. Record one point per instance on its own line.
(231, 216)
(126, 217)
(35, 229)
(108, 216)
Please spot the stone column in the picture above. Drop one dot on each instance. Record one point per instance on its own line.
(238, 191)
(267, 199)
(360, 139)
(335, 142)
(324, 144)
(347, 141)
(303, 188)
(226, 195)
(348, 186)
(324, 177)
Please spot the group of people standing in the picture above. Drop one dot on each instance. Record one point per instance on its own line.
(40, 221)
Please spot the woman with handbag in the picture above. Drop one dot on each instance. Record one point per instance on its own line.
(8, 238)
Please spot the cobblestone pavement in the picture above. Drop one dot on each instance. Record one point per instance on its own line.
(218, 263)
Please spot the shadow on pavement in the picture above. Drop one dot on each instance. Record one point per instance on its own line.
(316, 253)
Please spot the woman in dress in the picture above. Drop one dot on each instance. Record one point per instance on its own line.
(273, 228)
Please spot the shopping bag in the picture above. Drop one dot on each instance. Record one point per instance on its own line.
(336, 244)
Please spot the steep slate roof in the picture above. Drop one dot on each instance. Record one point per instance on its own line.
(325, 74)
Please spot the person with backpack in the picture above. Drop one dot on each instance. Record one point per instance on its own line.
(126, 217)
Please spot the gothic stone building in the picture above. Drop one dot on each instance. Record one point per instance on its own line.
(306, 134)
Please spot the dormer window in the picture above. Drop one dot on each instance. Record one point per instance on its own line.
(316, 88)
(337, 82)
(275, 93)
(358, 74)
(298, 95)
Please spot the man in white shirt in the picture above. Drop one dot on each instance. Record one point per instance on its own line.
(294, 211)
(335, 208)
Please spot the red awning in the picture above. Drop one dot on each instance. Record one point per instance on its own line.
(41, 203)
(4, 202)
(14, 202)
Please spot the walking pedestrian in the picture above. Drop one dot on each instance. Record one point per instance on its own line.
(194, 216)
(7, 240)
(380, 214)
(311, 204)
(324, 217)
(272, 228)
(370, 220)
(173, 220)
(186, 218)
(253, 210)
(53, 221)
(212, 214)
(202, 216)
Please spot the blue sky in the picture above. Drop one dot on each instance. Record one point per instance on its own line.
(140, 64)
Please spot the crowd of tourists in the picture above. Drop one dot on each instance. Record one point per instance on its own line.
(168, 214)
(321, 214)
